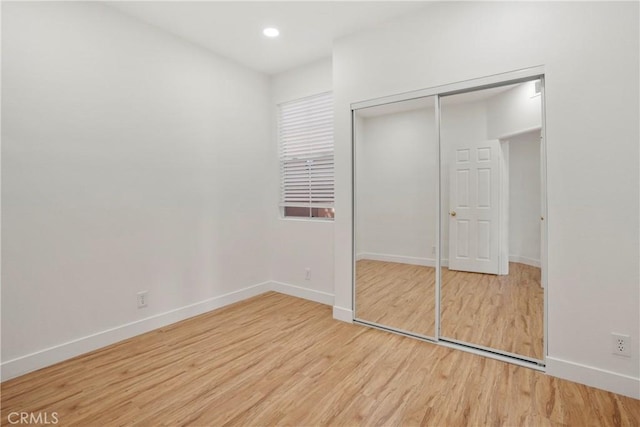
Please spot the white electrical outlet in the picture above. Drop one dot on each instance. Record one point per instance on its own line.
(433, 250)
(620, 345)
(142, 299)
(307, 274)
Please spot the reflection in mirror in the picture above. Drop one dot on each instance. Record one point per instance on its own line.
(491, 290)
(395, 184)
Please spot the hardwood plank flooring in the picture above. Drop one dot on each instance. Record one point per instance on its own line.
(501, 312)
(398, 295)
(279, 360)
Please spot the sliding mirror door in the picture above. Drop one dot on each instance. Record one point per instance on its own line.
(395, 215)
(492, 295)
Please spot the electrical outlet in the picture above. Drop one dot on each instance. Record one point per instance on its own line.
(307, 274)
(142, 298)
(433, 250)
(621, 345)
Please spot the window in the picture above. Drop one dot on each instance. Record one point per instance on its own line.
(305, 133)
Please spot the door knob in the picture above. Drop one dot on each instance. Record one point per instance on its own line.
(452, 213)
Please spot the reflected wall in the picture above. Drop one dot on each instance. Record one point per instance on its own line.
(491, 289)
(395, 184)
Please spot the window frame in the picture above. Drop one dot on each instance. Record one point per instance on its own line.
(306, 157)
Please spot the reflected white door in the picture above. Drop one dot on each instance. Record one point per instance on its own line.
(474, 209)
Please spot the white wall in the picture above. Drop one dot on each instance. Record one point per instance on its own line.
(396, 158)
(298, 244)
(131, 161)
(397, 182)
(511, 114)
(590, 52)
(524, 198)
(514, 111)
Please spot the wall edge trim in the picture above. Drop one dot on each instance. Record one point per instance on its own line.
(49, 356)
(300, 292)
(342, 314)
(427, 262)
(594, 377)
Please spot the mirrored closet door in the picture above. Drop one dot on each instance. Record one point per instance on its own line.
(449, 207)
(492, 295)
(395, 215)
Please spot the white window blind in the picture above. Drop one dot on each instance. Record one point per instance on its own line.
(306, 156)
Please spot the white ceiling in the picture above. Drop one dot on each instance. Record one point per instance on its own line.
(234, 29)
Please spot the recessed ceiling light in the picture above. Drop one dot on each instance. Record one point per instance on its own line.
(271, 32)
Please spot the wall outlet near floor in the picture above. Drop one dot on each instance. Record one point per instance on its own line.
(620, 345)
(142, 298)
(433, 250)
(307, 273)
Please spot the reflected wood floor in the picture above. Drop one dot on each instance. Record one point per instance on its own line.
(500, 312)
(279, 360)
(398, 295)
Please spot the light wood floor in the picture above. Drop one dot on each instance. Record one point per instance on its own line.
(398, 295)
(501, 312)
(279, 360)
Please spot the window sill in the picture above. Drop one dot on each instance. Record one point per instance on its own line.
(296, 219)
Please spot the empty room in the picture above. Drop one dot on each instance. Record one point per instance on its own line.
(320, 213)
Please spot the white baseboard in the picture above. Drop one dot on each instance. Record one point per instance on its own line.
(594, 377)
(402, 259)
(342, 314)
(591, 376)
(339, 313)
(524, 260)
(300, 292)
(430, 262)
(49, 356)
